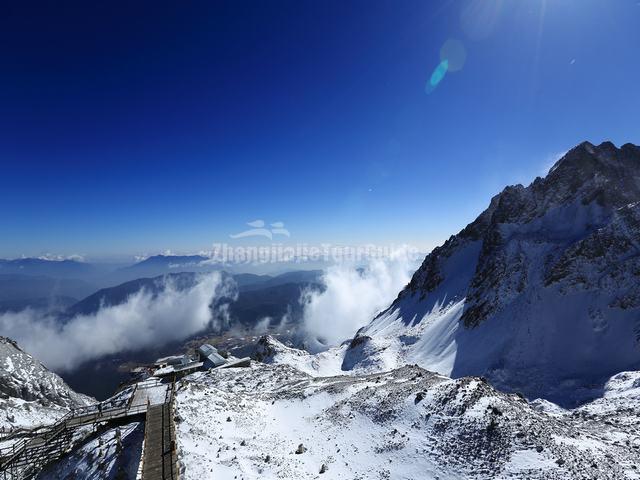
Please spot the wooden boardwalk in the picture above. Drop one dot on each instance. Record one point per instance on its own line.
(159, 456)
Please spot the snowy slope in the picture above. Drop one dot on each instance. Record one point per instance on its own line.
(541, 293)
(30, 394)
(273, 421)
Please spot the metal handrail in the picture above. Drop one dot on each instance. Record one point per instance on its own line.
(15, 450)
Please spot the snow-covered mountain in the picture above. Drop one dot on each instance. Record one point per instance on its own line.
(30, 394)
(541, 293)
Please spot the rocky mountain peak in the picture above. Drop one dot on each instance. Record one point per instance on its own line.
(605, 161)
(604, 173)
(602, 178)
(585, 152)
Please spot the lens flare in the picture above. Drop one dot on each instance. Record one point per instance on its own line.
(437, 76)
(452, 58)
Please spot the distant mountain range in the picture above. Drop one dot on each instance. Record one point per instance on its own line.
(51, 284)
(259, 296)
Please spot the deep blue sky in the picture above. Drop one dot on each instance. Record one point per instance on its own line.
(134, 127)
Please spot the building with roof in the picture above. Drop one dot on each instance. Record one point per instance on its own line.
(210, 357)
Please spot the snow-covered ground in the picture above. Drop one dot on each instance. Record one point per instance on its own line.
(274, 421)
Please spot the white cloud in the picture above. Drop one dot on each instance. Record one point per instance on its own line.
(352, 297)
(59, 258)
(262, 326)
(144, 320)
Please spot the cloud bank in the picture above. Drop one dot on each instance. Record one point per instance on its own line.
(352, 297)
(144, 320)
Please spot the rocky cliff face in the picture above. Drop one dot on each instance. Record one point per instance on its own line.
(24, 377)
(545, 282)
